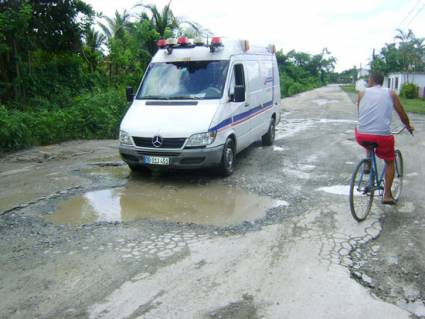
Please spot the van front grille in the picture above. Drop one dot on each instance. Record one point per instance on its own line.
(166, 142)
(152, 153)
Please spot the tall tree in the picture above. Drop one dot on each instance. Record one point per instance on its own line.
(33, 27)
(93, 41)
(162, 20)
(115, 27)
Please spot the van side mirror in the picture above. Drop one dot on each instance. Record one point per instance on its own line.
(239, 94)
(129, 93)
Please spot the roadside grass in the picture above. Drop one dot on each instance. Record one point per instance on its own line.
(410, 105)
(349, 88)
(413, 105)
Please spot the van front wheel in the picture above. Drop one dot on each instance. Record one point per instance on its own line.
(227, 159)
(268, 138)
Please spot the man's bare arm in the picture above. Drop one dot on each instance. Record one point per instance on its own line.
(359, 97)
(401, 112)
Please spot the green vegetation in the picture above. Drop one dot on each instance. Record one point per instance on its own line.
(61, 78)
(349, 88)
(92, 115)
(301, 71)
(413, 105)
(409, 91)
(405, 54)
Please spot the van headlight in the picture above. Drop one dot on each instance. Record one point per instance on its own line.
(125, 138)
(201, 139)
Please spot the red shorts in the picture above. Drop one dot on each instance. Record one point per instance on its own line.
(385, 148)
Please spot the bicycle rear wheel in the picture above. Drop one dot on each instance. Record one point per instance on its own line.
(361, 194)
(398, 176)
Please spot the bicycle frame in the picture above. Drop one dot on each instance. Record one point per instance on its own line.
(374, 181)
(374, 173)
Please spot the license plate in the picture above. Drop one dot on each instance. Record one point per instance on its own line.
(156, 160)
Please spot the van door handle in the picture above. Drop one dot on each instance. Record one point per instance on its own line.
(246, 104)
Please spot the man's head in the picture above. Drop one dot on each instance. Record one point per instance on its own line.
(375, 78)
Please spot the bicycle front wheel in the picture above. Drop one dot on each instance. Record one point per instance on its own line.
(398, 176)
(361, 193)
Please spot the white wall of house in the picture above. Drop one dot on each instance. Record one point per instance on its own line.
(395, 81)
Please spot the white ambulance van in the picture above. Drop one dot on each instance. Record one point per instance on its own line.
(199, 104)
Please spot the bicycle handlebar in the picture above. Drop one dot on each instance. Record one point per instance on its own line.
(401, 130)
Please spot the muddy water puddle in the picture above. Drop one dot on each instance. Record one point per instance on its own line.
(211, 204)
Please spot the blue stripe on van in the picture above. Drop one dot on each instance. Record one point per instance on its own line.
(242, 117)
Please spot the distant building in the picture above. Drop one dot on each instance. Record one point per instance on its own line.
(395, 81)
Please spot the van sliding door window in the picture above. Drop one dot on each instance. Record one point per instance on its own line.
(193, 80)
(238, 80)
(239, 75)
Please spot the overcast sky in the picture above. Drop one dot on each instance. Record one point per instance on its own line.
(350, 29)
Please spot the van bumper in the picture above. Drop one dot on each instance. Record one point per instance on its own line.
(179, 159)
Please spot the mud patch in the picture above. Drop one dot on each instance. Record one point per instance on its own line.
(213, 204)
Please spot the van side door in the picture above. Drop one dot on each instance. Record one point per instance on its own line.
(255, 96)
(238, 106)
(268, 92)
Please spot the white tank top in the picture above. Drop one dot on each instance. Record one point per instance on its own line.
(376, 111)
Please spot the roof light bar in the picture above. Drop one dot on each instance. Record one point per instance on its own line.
(198, 41)
(162, 43)
(172, 41)
(183, 41)
(216, 41)
(216, 44)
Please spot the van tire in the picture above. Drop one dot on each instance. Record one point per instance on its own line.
(268, 138)
(227, 163)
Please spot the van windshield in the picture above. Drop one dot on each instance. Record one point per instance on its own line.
(194, 80)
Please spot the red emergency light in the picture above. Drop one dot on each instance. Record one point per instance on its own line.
(183, 41)
(162, 43)
(216, 41)
(216, 44)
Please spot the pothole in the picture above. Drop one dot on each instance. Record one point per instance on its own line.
(211, 204)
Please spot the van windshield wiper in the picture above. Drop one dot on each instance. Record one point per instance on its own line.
(184, 98)
(153, 97)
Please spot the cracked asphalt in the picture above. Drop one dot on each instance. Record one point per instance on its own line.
(286, 248)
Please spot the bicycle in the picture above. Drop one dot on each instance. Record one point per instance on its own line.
(363, 184)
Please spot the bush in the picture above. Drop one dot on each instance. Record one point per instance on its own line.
(96, 115)
(409, 91)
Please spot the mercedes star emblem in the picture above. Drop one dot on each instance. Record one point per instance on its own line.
(157, 141)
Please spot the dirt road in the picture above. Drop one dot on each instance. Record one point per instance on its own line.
(82, 237)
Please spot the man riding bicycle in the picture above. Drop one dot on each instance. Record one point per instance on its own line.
(375, 107)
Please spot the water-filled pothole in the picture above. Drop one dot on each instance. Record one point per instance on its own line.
(211, 204)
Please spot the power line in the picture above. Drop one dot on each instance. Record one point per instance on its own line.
(417, 13)
(410, 12)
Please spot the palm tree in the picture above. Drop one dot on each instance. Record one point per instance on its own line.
(93, 41)
(406, 40)
(193, 29)
(115, 29)
(404, 36)
(161, 20)
(116, 26)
